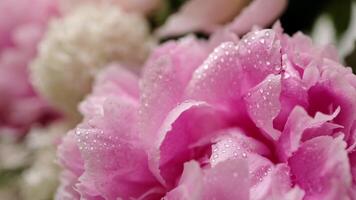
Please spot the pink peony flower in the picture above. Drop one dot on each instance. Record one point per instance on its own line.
(266, 117)
(21, 28)
(209, 15)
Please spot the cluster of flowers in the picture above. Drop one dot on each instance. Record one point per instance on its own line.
(261, 116)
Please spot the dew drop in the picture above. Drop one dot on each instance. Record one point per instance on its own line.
(235, 174)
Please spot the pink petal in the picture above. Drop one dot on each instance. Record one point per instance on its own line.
(201, 15)
(260, 169)
(69, 155)
(113, 81)
(219, 182)
(35, 13)
(165, 76)
(66, 190)
(320, 167)
(260, 55)
(190, 186)
(311, 76)
(21, 28)
(236, 68)
(260, 12)
(217, 80)
(294, 93)
(222, 35)
(266, 181)
(115, 162)
(280, 185)
(188, 124)
(222, 181)
(141, 6)
(301, 51)
(333, 90)
(263, 104)
(352, 158)
(233, 143)
(297, 124)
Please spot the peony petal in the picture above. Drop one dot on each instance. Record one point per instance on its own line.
(335, 89)
(236, 68)
(260, 55)
(320, 167)
(217, 80)
(234, 144)
(266, 181)
(165, 76)
(260, 169)
(222, 181)
(293, 94)
(113, 81)
(311, 76)
(21, 29)
(188, 124)
(259, 12)
(35, 13)
(263, 104)
(352, 158)
(280, 185)
(220, 36)
(66, 190)
(201, 15)
(69, 155)
(219, 182)
(301, 51)
(297, 125)
(115, 163)
(190, 186)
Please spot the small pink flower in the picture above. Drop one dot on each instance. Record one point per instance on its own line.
(210, 15)
(266, 117)
(21, 27)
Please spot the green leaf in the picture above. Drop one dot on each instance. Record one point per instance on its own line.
(340, 12)
(9, 176)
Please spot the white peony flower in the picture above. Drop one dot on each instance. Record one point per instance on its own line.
(77, 46)
(13, 154)
(29, 166)
(40, 180)
(138, 6)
